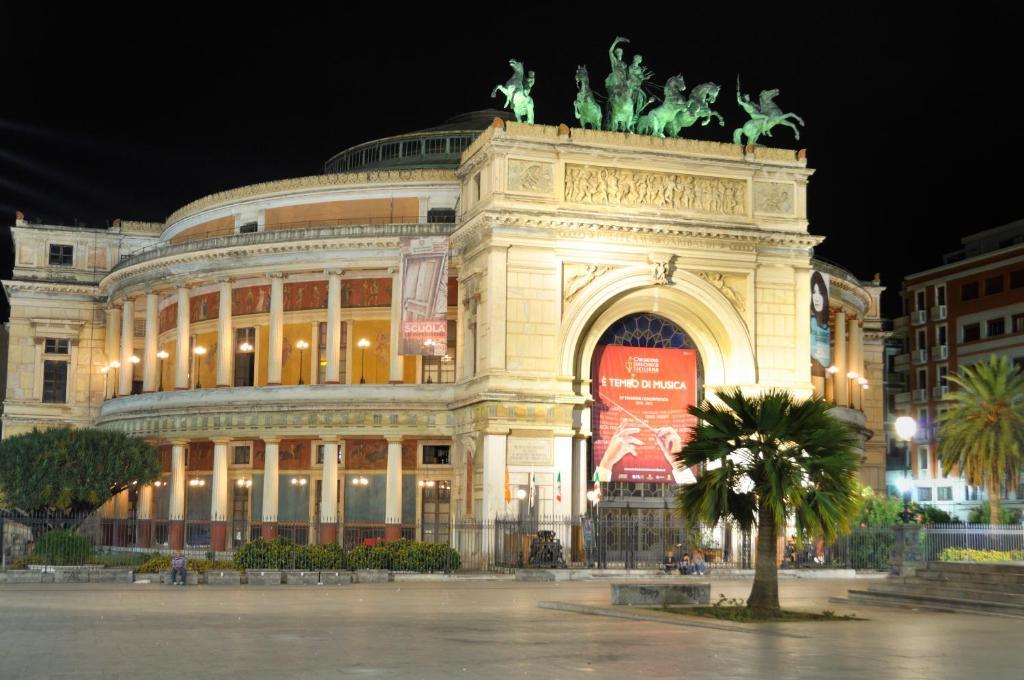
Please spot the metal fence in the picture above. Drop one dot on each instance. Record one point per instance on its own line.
(599, 541)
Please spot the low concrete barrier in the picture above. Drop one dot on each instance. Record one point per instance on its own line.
(191, 577)
(111, 576)
(70, 575)
(335, 578)
(302, 578)
(223, 578)
(24, 576)
(374, 576)
(264, 578)
(661, 593)
(543, 575)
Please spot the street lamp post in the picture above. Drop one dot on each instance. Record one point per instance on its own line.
(161, 355)
(199, 351)
(302, 345)
(906, 428)
(363, 344)
(114, 365)
(134, 361)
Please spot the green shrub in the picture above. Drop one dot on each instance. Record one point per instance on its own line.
(405, 555)
(128, 559)
(980, 514)
(263, 554)
(971, 555)
(159, 563)
(62, 547)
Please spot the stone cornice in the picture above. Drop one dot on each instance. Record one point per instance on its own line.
(51, 287)
(318, 182)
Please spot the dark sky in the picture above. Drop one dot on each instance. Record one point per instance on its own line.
(910, 122)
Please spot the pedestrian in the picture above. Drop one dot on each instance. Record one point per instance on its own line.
(178, 563)
(700, 567)
(669, 563)
(685, 567)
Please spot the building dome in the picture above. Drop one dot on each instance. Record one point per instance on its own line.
(440, 146)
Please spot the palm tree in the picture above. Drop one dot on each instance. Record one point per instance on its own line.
(982, 431)
(767, 458)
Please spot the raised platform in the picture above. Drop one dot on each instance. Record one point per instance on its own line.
(647, 594)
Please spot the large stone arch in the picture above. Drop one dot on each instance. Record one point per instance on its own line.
(716, 328)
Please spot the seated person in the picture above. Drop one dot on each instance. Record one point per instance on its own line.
(699, 565)
(685, 565)
(669, 563)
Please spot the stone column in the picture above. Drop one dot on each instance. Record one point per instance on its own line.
(393, 498)
(350, 347)
(276, 342)
(396, 363)
(329, 493)
(219, 496)
(802, 344)
(332, 375)
(270, 480)
(580, 479)
(495, 451)
(144, 517)
(855, 369)
(225, 336)
(176, 511)
(497, 298)
(182, 355)
(113, 347)
(150, 377)
(124, 382)
(839, 379)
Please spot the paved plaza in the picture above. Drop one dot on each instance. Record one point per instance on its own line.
(469, 629)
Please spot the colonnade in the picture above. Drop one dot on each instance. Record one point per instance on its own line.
(846, 380)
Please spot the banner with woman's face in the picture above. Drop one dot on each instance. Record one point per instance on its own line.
(821, 346)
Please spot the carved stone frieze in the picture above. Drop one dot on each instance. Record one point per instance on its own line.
(532, 177)
(773, 197)
(611, 186)
(731, 288)
(576, 276)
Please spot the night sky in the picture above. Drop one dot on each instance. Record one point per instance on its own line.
(911, 125)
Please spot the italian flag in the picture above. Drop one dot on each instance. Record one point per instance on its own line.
(558, 488)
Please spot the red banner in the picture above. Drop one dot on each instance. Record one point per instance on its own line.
(641, 396)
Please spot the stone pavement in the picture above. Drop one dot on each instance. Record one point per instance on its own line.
(467, 629)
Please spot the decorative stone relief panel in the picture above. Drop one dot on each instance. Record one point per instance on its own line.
(773, 197)
(731, 287)
(576, 276)
(530, 177)
(595, 185)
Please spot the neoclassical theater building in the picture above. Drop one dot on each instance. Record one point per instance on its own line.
(254, 335)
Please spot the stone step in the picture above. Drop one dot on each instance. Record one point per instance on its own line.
(957, 592)
(1014, 568)
(982, 580)
(935, 603)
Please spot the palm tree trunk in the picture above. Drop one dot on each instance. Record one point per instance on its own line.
(765, 593)
(993, 504)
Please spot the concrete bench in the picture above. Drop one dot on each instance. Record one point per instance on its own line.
(374, 576)
(263, 578)
(223, 578)
(111, 576)
(25, 576)
(335, 578)
(661, 593)
(300, 578)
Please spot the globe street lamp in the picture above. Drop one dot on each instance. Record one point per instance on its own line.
(115, 364)
(134, 361)
(302, 345)
(363, 344)
(199, 351)
(906, 428)
(161, 355)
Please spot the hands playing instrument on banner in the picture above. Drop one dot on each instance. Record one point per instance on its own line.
(621, 444)
(671, 443)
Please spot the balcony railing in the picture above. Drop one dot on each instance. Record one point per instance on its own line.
(921, 395)
(902, 398)
(919, 317)
(940, 352)
(939, 392)
(939, 313)
(920, 356)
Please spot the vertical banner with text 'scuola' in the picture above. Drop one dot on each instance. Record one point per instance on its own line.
(424, 328)
(641, 398)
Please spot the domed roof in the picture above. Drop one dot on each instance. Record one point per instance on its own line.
(440, 146)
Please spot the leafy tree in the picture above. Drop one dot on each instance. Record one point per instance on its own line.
(76, 470)
(983, 428)
(767, 458)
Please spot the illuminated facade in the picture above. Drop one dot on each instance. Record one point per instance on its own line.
(289, 410)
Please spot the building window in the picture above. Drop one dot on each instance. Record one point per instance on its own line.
(241, 455)
(994, 285)
(1018, 323)
(972, 332)
(411, 148)
(920, 298)
(945, 493)
(994, 327)
(55, 382)
(441, 216)
(940, 335)
(321, 353)
(922, 378)
(1018, 363)
(436, 455)
(1017, 278)
(320, 454)
(249, 228)
(56, 346)
(61, 256)
(437, 146)
(389, 151)
(922, 340)
(969, 291)
(943, 372)
(940, 295)
(924, 493)
(245, 357)
(923, 454)
(441, 369)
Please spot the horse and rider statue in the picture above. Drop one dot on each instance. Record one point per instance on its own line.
(517, 92)
(677, 112)
(764, 115)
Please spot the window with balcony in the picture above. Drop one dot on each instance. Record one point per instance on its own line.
(61, 255)
(940, 295)
(441, 369)
(943, 371)
(945, 493)
(245, 357)
(940, 335)
(995, 327)
(972, 332)
(969, 291)
(994, 285)
(922, 378)
(920, 301)
(55, 382)
(922, 339)
(321, 353)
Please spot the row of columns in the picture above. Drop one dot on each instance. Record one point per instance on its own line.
(848, 360)
(219, 503)
(121, 336)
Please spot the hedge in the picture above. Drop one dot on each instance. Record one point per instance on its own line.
(403, 555)
(159, 563)
(971, 555)
(62, 547)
